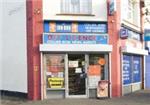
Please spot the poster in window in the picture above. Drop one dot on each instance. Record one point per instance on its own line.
(94, 73)
(126, 69)
(136, 69)
(55, 82)
(94, 70)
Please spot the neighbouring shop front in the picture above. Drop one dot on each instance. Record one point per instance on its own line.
(133, 55)
(74, 58)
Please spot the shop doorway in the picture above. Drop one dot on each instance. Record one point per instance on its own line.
(76, 75)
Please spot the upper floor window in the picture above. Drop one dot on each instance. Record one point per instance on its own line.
(76, 7)
(131, 10)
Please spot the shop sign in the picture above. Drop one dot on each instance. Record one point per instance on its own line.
(123, 33)
(126, 33)
(56, 82)
(136, 69)
(112, 7)
(74, 39)
(126, 69)
(134, 35)
(73, 27)
(147, 35)
(92, 28)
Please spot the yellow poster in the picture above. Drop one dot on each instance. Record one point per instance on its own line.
(56, 82)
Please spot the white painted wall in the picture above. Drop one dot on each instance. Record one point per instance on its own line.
(52, 7)
(14, 58)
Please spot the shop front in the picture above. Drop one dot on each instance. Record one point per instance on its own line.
(74, 59)
(133, 55)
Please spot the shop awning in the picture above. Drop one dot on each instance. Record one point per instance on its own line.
(75, 48)
(132, 50)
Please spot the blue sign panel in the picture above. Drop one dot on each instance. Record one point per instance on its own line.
(126, 69)
(136, 69)
(92, 27)
(74, 39)
(147, 35)
(123, 33)
(72, 27)
(46, 26)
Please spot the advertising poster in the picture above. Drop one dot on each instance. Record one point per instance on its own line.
(55, 82)
(94, 70)
(136, 69)
(102, 89)
(127, 69)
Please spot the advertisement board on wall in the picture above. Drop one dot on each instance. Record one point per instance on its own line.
(126, 69)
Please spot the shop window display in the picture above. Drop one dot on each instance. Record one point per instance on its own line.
(55, 68)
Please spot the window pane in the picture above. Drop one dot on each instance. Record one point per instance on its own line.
(55, 68)
(76, 6)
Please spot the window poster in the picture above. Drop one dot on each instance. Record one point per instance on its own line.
(126, 69)
(136, 69)
(93, 81)
(55, 82)
(94, 70)
(94, 73)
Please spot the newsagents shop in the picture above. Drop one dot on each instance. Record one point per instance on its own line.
(75, 56)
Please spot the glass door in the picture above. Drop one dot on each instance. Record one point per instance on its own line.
(76, 75)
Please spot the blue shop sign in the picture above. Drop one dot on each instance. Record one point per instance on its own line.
(73, 27)
(92, 27)
(147, 35)
(123, 33)
(127, 33)
(74, 39)
(126, 69)
(136, 69)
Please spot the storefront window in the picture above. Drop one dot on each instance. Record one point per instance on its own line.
(131, 69)
(98, 69)
(55, 71)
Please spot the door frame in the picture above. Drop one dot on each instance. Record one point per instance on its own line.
(67, 78)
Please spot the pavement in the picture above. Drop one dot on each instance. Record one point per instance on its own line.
(141, 97)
